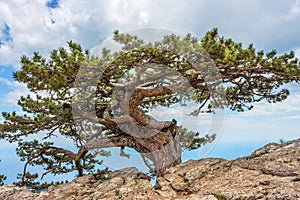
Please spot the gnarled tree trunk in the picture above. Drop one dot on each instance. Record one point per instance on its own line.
(168, 156)
(161, 147)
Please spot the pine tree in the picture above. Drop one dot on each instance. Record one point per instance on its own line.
(102, 102)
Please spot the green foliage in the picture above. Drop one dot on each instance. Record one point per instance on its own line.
(102, 174)
(54, 160)
(31, 182)
(252, 76)
(2, 178)
(118, 194)
(191, 140)
(48, 113)
(220, 196)
(281, 141)
(246, 76)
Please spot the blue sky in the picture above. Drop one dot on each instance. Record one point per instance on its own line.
(40, 25)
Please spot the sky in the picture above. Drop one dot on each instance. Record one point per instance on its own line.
(41, 25)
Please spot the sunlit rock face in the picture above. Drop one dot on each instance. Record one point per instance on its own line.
(271, 172)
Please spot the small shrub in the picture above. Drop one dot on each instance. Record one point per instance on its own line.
(220, 196)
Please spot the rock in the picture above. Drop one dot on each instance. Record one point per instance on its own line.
(271, 172)
(87, 179)
(11, 192)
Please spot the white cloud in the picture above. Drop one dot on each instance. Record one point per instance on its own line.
(294, 10)
(34, 27)
(10, 99)
(266, 122)
(144, 18)
(268, 24)
(89, 23)
(291, 104)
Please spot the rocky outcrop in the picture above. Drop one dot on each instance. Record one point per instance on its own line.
(271, 172)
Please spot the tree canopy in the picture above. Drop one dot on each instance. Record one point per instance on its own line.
(104, 101)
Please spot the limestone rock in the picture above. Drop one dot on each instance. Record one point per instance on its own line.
(271, 172)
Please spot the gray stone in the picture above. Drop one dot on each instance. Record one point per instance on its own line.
(271, 172)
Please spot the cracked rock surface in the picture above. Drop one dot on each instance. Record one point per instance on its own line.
(271, 172)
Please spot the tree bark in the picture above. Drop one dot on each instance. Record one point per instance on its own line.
(166, 157)
(161, 147)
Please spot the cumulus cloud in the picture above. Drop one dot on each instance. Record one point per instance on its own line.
(290, 105)
(36, 27)
(294, 10)
(266, 122)
(11, 98)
